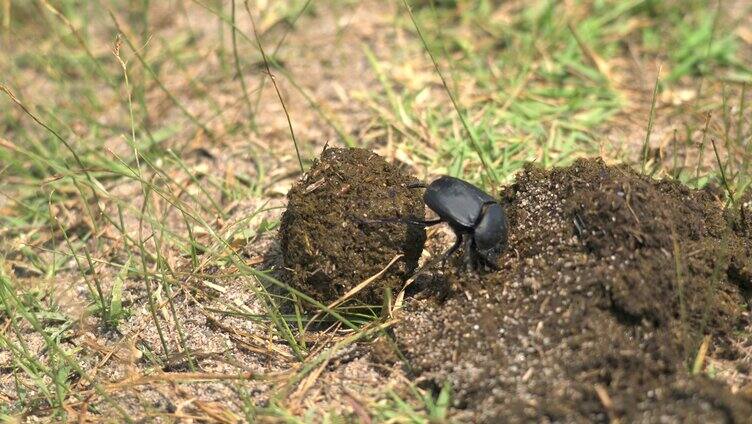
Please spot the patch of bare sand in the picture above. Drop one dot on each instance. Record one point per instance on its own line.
(324, 56)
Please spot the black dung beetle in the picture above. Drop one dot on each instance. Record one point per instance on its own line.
(472, 214)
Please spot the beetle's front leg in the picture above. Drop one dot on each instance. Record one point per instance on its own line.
(422, 222)
(409, 221)
(455, 246)
(470, 257)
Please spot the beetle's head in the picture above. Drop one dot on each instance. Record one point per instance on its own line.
(491, 233)
(491, 255)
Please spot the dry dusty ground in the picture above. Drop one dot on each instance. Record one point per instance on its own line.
(215, 354)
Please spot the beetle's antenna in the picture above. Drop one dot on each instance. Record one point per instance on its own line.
(417, 185)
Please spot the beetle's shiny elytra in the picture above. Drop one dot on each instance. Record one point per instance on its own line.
(473, 215)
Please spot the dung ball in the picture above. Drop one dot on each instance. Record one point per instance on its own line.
(344, 223)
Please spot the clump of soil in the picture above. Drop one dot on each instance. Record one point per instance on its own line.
(609, 287)
(333, 234)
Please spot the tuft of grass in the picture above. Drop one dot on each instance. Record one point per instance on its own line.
(470, 132)
(646, 145)
(274, 83)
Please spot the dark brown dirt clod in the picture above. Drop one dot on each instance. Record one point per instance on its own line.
(327, 240)
(610, 284)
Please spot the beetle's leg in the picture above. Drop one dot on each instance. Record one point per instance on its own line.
(409, 221)
(492, 265)
(422, 222)
(451, 250)
(417, 185)
(470, 257)
(364, 221)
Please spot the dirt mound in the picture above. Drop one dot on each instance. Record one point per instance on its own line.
(328, 240)
(609, 286)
